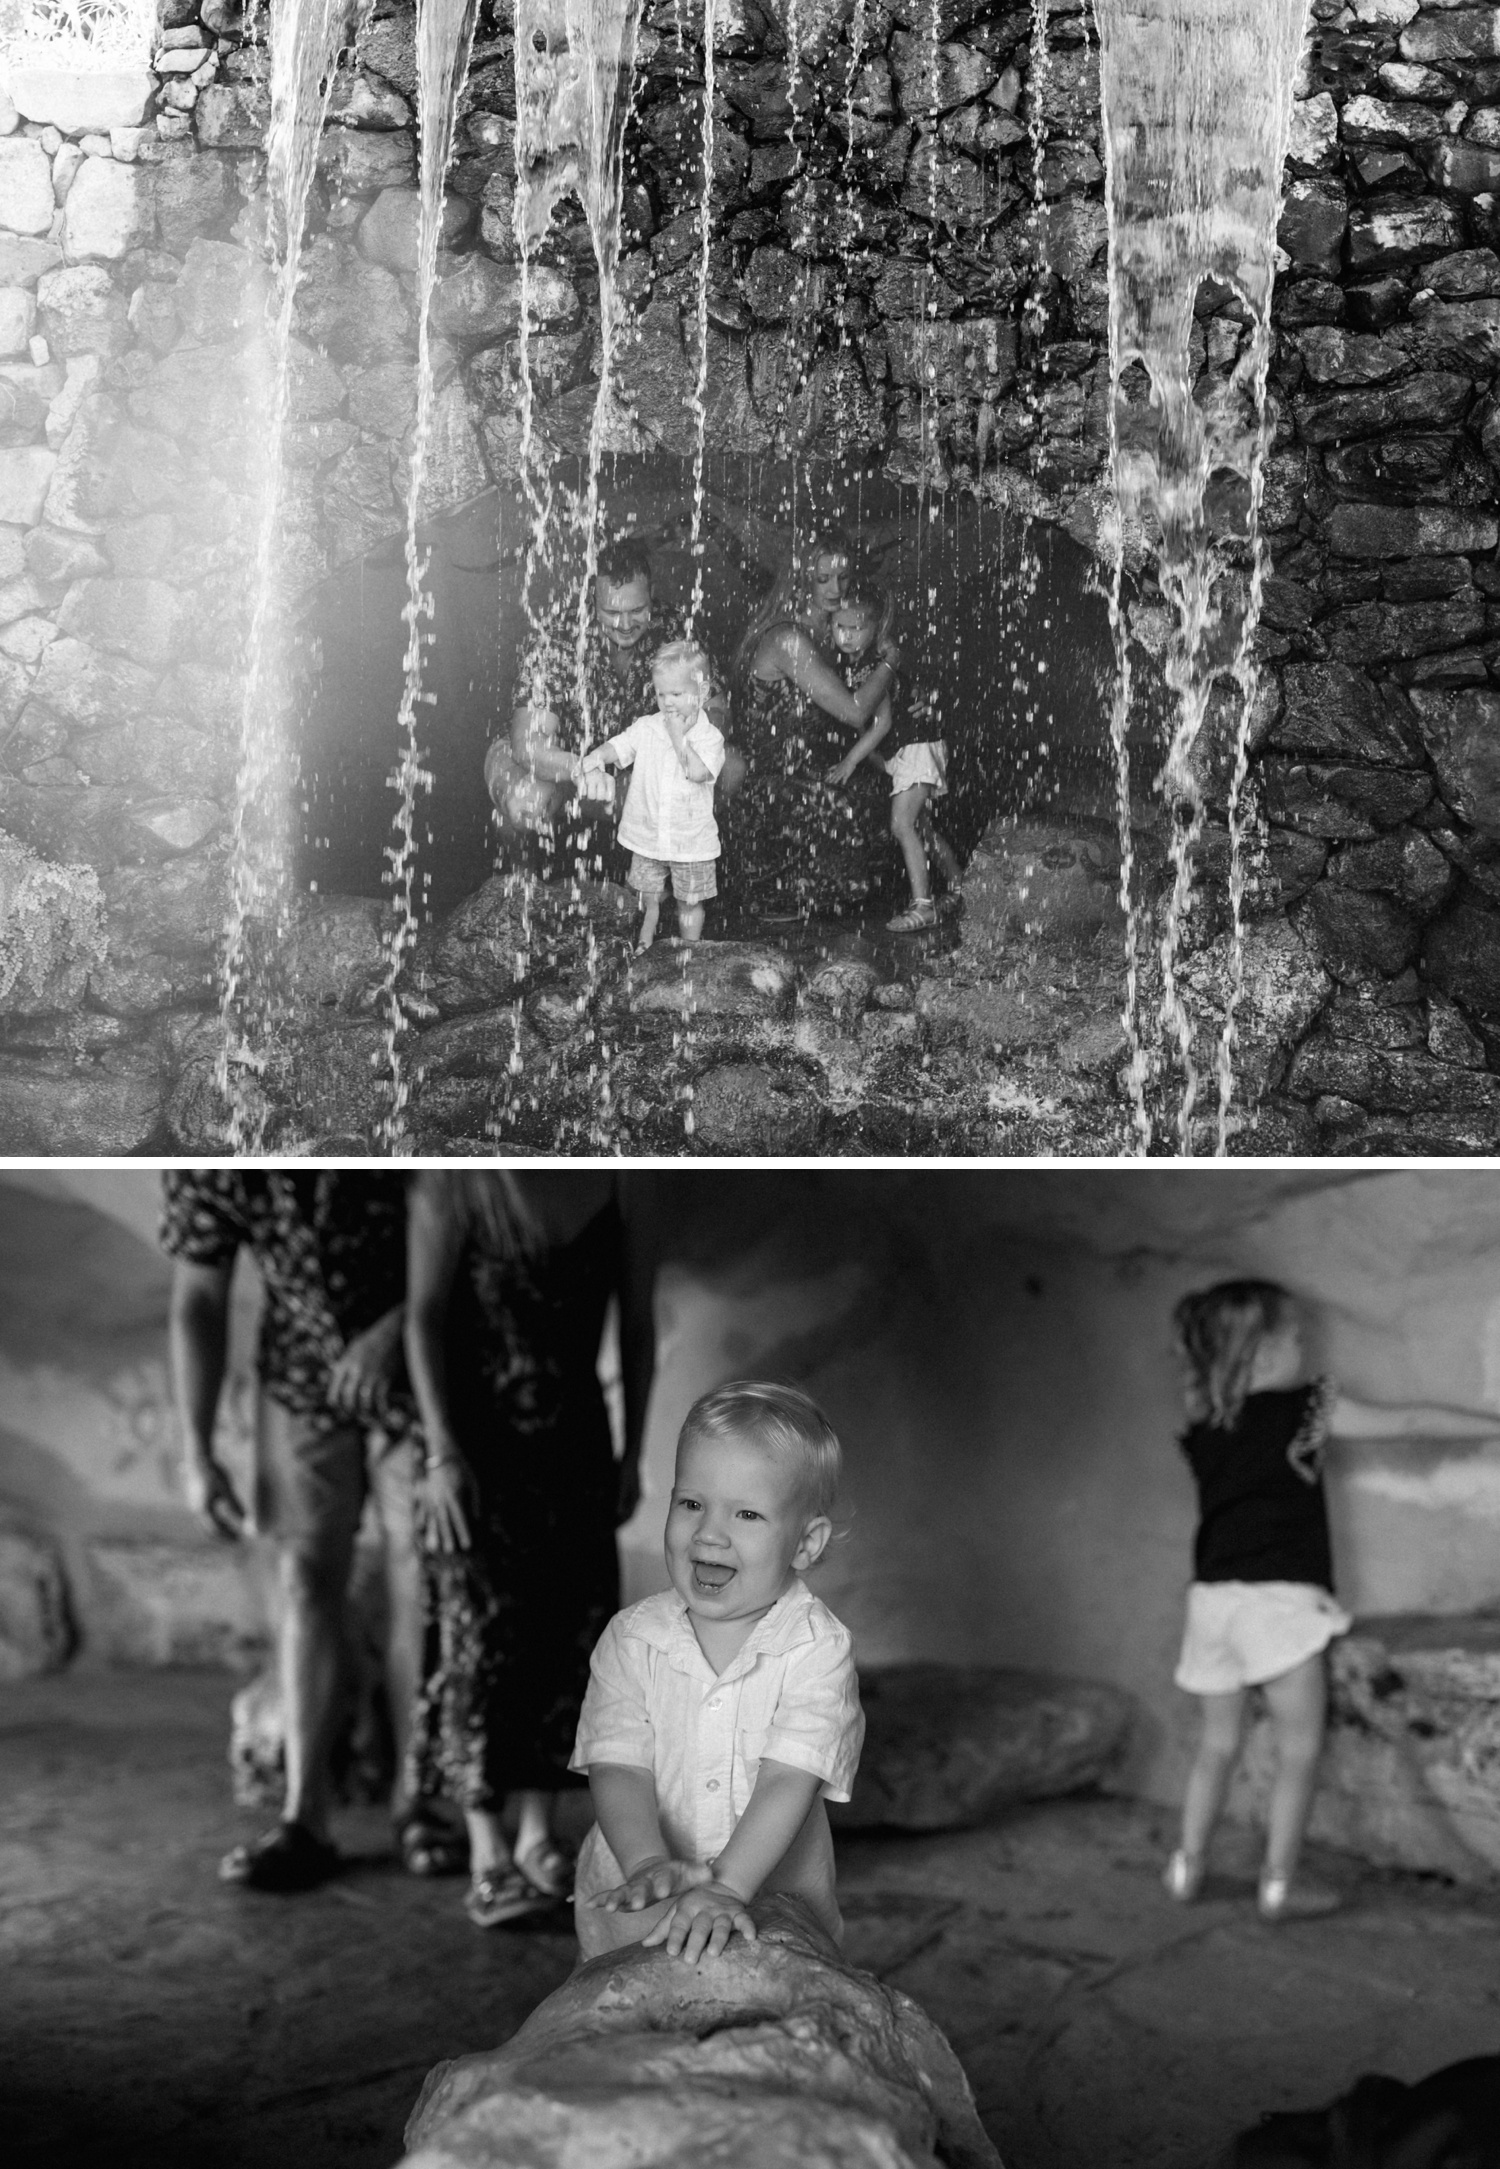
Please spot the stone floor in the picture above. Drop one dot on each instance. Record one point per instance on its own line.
(152, 2016)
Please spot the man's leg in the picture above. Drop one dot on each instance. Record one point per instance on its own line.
(312, 1482)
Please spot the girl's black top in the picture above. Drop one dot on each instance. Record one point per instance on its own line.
(1262, 1516)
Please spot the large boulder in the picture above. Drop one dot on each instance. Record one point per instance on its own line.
(159, 1603)
(711, 979)
(776, 2052)
(950, 1746)
(36, 1623)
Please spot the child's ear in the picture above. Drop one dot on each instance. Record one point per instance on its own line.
(815, 1540)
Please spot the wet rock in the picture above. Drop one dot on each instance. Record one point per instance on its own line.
(353, 309)
(169, 1604)
(1430, 401)
(51, 1108)
(1383, 632)
(1461, 732)
(83, 311)
(1462, 956)
(108, 212)
(478, 299)
(777, 2050)
(1409, 470)
(81, 100)
(23, 261)
(356, 162)
(747, 1108)
(1332, 355)
(361, 100)
(194, 190)
(1458, 335)
(37, 1633)
(480, 956)
(973, 359)
(723, 979)
(1387, 235)
(1314, 216)
(1405, 864)
(1372, 530)
(1449, 1036)
(140, 619)
(388, 231)
(233, 116)
(25, 477)
(25, 185)
(359, 502)
(1333, 710)
(1339, 801)
(948, 1747)
(1394, 1081)
(1466, 168)
(846, 984)
(220, 292)
(1357, 932)
(1313, 142)
(933, 78)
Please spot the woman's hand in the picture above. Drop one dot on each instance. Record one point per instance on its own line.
(649, 1884)
(445, 1501)
(360, 1378)
(888, 648)
(212, 1497)
(841, 771)
(701, 1923)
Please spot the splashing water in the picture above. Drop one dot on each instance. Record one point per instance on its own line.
(1196, 99)
(700, 381)
(306, 37)
(445, 37)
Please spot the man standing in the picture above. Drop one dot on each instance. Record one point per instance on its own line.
(332, 1431)
(533, 773)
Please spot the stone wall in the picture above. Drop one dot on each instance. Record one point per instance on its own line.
(874, 285)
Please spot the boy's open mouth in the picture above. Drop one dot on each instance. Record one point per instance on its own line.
(710, 1574)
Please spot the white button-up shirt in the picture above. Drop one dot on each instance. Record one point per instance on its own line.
(666, 815)
(654, 1702)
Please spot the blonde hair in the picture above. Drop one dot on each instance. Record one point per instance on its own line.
(682, 659)
(789, 598)
(787, 1422)
(490, 1202)
(1218, 1331)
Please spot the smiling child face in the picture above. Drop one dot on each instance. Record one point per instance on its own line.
(738, 1529)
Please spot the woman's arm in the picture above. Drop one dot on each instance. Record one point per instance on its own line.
(801, 663)
(1349, 1418)
(434, 1245)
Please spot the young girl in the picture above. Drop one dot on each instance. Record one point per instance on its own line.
(1261, 1610)
(917, 767)
(721, 1714)
(668, 824)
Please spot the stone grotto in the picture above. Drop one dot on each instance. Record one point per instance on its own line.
(904, 298)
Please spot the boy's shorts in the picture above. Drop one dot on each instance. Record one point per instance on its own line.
(694, 881)
(1241, 1634)
(925, 762)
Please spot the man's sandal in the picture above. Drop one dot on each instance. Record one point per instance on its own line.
(429, 1846)
(1183, 1877)
(548, 1868)
(287, 1859)
(498, 1895)
(917, 916)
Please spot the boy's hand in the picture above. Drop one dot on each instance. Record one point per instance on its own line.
(701, 1923)
(649, 1884)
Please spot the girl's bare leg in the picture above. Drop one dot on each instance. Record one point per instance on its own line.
(906, 811)
(1213, 1767)
(1298, 1702)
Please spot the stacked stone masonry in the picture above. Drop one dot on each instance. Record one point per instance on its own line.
(874, 282)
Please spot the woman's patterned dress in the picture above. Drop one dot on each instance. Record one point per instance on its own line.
(513, 1621)
(794, 843)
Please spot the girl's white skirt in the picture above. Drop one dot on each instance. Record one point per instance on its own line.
(1241, 1634)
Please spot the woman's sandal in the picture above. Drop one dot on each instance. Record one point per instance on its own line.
(429, 1846)
(498, 1895)
(1280, 1898)
(287, 1859)
(918, 915)
(548, 1868)
(1183, 1877)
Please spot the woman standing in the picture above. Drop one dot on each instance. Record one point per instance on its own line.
(509, 1281)
(796, 841)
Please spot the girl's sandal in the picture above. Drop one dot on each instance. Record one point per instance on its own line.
(1183, 1877)
(498, 1895)
(1279, 1898)
(548, 1868)
(918, 915)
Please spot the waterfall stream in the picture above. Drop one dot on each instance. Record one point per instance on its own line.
(306, 37)
(1196, 100)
